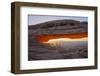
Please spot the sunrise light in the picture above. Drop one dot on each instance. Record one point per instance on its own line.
(61, 37)
(58, 41)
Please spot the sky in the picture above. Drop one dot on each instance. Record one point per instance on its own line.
(35, 19)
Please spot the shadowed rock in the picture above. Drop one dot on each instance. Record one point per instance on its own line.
(58, 27)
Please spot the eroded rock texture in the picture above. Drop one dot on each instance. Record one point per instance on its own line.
(40, 51)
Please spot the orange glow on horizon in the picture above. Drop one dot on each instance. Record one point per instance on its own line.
(66, 37)
(55, 42)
